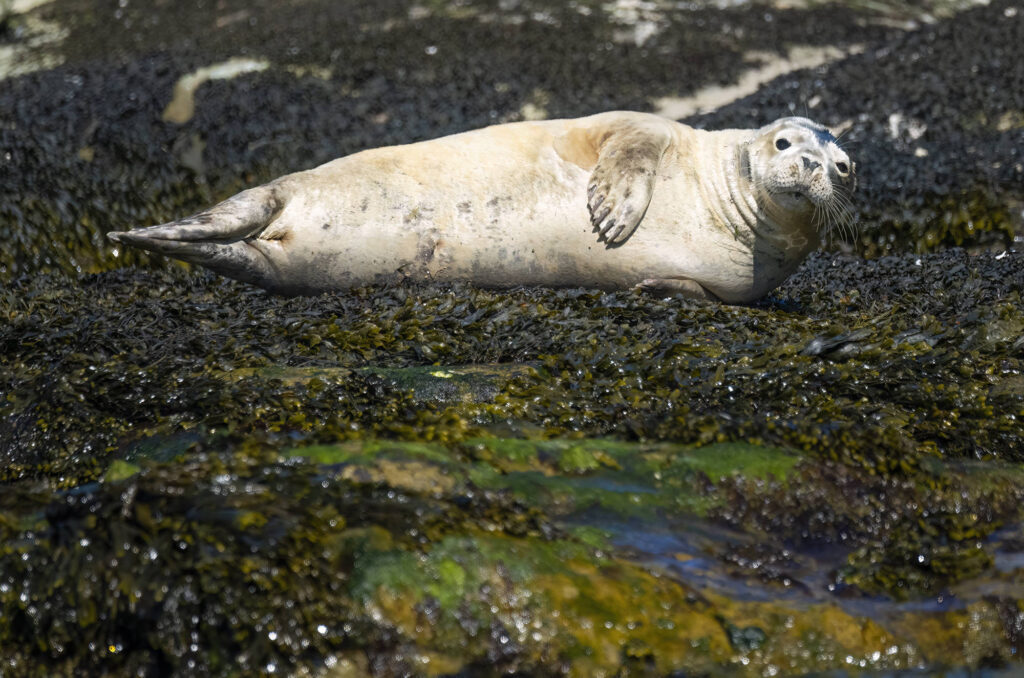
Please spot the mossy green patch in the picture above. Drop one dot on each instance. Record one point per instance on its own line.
(592, 536)
(120, 470)
(498, 591)
(505, 454)
(568, 476)
(742, 459)
(372, 449)
(578, 459)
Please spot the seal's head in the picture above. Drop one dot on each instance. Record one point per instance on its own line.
(799, 166)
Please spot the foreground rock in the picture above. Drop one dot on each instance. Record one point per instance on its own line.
(579, 558)
(622, 482)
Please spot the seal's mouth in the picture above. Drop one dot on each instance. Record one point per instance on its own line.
(795, 196)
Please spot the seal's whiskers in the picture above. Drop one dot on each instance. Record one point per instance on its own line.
(835, 217)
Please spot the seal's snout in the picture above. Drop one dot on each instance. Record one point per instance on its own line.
(810, 164)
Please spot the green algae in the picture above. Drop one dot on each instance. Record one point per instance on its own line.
(750, 461)
(120, 470)
(562, 476)
(431, 581)
(371, 449)
(662, 628)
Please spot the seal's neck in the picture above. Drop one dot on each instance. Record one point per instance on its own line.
(734, 198)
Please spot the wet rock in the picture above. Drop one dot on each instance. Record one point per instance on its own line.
(827, 479)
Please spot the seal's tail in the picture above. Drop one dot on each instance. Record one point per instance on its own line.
(222, 238)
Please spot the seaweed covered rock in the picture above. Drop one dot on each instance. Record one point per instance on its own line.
(200, 478)
(922, 361)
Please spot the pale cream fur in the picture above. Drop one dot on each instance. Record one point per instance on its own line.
(522, 204)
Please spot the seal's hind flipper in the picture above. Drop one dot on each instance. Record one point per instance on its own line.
(241, 216)
(222, 238)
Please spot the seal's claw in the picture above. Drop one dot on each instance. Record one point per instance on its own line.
(613, 235)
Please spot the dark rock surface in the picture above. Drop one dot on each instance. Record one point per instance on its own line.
(199, 477)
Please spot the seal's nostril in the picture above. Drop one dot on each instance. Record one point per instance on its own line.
(810, 164)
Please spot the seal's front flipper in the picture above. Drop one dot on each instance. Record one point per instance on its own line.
(622, 182)
(683, 286)
(222, 238)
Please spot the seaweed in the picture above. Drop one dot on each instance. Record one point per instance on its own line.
(201, 478)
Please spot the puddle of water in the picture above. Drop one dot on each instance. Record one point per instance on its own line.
(1008, 547)
(691, 552)
(1004, 580)
(607, 484)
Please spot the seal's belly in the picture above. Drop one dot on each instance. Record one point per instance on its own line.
(549, 241)
(441, 218)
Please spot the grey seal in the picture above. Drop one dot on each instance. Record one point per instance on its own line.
(616, 200)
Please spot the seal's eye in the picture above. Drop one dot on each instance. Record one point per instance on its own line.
(782, 144)
(843, 168)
